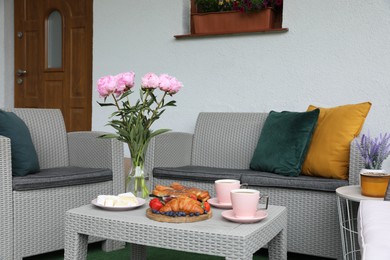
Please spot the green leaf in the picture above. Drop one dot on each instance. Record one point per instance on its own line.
(171, 103)
(158, 132)
(105, 104)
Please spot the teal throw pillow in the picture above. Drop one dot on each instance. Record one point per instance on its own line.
(284, 141)
(24, 156)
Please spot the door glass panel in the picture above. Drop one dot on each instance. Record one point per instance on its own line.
(54, 40)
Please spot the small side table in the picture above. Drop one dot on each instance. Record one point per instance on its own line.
(348, 199)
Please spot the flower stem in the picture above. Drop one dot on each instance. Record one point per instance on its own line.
(155, 110)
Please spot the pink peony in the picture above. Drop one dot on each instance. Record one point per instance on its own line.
(106, 86)
(175, 86)
(124, 82)
(150, 80)
(169, 84)
(165, 82)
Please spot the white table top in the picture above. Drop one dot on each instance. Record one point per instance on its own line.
(215, 236)
(217, 224)
(353, 192)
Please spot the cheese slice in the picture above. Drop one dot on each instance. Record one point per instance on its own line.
(122, 200)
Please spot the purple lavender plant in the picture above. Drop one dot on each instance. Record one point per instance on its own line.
(374, 150)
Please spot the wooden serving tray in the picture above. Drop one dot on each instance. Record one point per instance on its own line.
(186, 219)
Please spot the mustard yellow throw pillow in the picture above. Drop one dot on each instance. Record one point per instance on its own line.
(328, 154)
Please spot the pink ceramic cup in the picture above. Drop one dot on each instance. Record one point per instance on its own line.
(245, 202)
(223, 188)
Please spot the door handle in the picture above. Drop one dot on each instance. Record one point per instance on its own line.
(21, 72)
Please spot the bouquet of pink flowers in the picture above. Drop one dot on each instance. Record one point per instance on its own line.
(132, 122)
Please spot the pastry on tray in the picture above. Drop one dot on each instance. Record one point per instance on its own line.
(183, 204)
(177, 200)
(176, 189)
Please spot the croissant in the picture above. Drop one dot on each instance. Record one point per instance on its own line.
(184, 204)
(176, 189)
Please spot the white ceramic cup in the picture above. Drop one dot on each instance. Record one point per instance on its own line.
(223, 188)
(245, 202)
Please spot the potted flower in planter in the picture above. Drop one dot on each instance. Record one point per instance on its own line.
(373, 179)
(233, 16)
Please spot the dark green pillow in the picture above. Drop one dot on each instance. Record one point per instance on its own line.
(284, 141)
(24, 156)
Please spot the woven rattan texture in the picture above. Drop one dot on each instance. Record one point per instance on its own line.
(31, 222)
(215, 236)
(47, 129)
(40, 230)
(355, 163)
(313, 223)
(86, 149)
(215, 140)
(6, 233)
(172, 149)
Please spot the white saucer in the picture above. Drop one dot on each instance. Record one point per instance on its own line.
(141, 202)
(214, 202)
(260, 214)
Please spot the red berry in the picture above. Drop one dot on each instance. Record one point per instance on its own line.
(155, 204)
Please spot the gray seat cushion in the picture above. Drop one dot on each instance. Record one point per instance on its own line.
(266, 179)
(253, 178)
(197, 173)
(60, 177)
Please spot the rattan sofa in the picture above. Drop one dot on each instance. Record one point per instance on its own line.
(222, 146)
(32, 220)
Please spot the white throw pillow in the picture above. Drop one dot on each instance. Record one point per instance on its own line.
(374, 229)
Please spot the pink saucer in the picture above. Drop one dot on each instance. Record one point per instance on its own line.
(215, 203)
(229, 215)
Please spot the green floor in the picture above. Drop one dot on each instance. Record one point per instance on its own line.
(95, 253)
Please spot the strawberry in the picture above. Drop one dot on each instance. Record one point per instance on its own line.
(206, 206)
(155, 204)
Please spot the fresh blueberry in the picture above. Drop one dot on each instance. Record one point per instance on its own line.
(197, 214)
(191, 214)
(205, 212)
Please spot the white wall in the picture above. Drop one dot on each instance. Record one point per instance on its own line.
(335, 53)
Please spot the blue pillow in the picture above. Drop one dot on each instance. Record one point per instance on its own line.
(284, 142)
(24, 156)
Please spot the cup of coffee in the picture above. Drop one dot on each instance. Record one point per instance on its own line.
(223, 188)
(245, 202)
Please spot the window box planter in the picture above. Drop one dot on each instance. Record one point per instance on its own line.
(232, 22)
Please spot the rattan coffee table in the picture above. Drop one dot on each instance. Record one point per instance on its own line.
(215, 236)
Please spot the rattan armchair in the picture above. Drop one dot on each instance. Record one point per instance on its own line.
(32, 221)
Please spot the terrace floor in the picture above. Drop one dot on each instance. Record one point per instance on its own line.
(95, 253)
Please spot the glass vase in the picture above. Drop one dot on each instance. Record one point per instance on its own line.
(137, 182)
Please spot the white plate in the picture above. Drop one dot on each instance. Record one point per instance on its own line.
(215, 203)
(141, 202)
(229, 215)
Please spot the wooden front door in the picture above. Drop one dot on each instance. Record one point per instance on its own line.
(53, 58)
